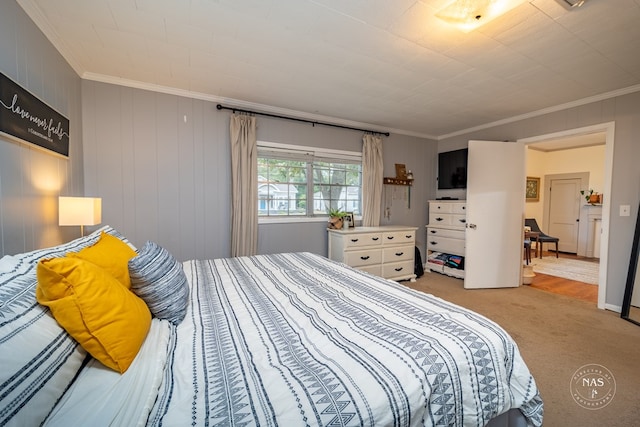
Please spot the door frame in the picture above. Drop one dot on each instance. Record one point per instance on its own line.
(609, 130)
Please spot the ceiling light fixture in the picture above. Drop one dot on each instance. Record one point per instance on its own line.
(468, 15)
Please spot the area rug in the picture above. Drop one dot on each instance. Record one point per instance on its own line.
(572, 269)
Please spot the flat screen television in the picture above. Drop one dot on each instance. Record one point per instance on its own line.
(452, 169)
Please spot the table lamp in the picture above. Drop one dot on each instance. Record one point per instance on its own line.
(79, 211)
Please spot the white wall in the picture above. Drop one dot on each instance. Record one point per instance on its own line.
(585, 159)
(31, 179)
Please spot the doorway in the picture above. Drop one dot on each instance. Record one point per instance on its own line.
(571, 137)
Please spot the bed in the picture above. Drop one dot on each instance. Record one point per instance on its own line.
(285, 339)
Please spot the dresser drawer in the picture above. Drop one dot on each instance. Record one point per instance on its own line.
(359, 240)
(445, 232)
(445, 244)
(459, 208)
(397, 269)
(363, 257)
(458, 220)
(399, 237)
(400, 253)
(439, 218)
(443, 207)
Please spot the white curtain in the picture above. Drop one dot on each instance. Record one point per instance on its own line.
(372, 175)
(244, 187)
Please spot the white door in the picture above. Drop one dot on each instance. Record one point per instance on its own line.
(496, 179)
(564, 214)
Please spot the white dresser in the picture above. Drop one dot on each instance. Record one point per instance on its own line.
(386, 251)
(446, 235)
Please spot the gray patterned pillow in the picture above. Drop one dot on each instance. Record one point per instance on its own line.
(158, 278)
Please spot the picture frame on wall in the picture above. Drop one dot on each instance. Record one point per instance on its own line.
(532, 191)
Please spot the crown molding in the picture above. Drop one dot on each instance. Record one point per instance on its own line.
(572, 104)
(246, 105)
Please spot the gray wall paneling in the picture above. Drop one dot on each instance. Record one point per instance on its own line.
(31, 179)
(179, 191)
(157, 162)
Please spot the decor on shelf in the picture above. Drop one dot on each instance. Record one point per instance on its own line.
(533, 189)
(403, 176)
(336, 219)
(401, 171)
(592, 197)
(79, 211)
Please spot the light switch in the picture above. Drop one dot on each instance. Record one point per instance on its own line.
(625, 210)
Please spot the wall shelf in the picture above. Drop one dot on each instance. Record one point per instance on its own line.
(397, 181)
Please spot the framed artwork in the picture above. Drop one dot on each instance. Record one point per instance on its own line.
(26, 118)
(349, 217)
(533, 189)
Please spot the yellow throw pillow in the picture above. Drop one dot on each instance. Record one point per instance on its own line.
(110, 253)
(107, 319)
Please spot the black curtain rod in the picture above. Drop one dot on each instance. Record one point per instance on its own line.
(222, 107)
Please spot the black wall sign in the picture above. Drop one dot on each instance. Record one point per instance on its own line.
(25, 117)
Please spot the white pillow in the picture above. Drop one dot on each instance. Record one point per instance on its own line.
(39, 359)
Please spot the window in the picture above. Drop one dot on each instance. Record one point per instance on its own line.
(306, 182)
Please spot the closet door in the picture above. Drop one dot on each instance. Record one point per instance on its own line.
(496, 176)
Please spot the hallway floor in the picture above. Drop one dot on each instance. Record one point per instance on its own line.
(561, 286)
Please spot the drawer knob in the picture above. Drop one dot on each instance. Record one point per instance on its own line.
(399, 268)
(432, 231)
(390, 237)
(364, 258)
(463, 221)
(434, 243)
(439, 219)
(354, 240)
(374, 238)
(399, 253)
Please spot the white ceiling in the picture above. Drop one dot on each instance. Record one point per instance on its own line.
(385, 64)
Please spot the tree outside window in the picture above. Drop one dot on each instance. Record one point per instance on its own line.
(288, 179)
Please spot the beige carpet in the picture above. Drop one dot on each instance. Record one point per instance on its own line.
(557, 335)
(573, 269)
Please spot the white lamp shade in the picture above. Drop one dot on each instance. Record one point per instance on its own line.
(79, 210)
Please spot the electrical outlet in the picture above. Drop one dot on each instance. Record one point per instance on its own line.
(625, 210)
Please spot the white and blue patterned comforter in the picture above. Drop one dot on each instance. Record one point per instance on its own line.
(296, 339)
